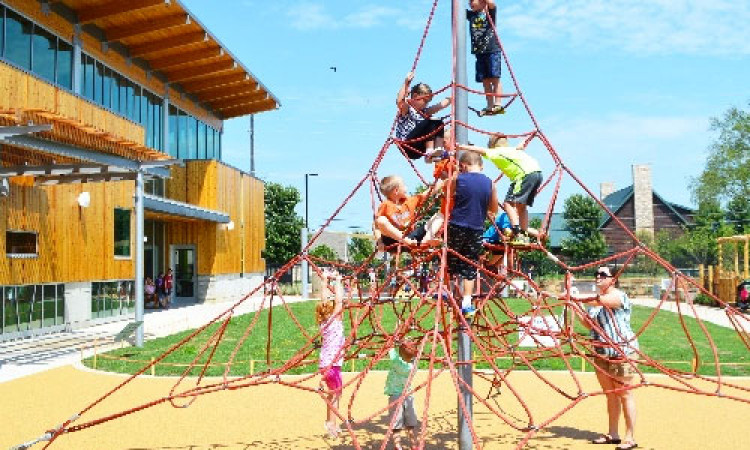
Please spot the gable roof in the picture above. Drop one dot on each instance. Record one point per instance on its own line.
(616, 200)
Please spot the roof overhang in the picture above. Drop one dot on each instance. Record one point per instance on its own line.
(183, 210)
(167, 38)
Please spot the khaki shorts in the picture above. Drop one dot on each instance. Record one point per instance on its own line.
(406, 417)
(616, 368)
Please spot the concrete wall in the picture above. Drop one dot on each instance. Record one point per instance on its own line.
(227, 287)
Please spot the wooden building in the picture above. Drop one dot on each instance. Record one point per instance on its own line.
(637, 206)
(109, 108)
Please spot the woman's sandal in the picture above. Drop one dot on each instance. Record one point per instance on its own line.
(628, 446)
(606, 439)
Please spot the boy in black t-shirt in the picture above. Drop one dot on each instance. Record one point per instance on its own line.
(485, 47)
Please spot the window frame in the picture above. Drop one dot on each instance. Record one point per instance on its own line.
(130, 233)
(13, 255)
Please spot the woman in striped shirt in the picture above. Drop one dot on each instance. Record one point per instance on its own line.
(616, 345)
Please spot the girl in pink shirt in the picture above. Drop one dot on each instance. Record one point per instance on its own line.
(328, 316)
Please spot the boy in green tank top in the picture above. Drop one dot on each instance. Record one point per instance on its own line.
(525, 177)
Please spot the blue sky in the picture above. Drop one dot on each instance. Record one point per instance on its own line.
(612, 83)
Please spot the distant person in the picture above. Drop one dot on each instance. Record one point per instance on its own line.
(414, 121)
(474, 200)
(149, 291)
(485, 47)
(328, 314)
(160, 293)
(168, 287)
(396, 385)
(616, 346)
(525, 176)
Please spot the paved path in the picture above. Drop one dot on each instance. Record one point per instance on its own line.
(714, 315)
(22, 357)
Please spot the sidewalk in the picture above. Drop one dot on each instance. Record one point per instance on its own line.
(23, 357)
(706, 313)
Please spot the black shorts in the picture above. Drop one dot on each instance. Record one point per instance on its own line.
(529, 187)
(467, 243)
(418, 234)
(416, 149)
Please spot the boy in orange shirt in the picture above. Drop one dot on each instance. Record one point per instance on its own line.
(397, 213)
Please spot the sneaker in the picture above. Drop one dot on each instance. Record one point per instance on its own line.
(332, 430)
(469, 312)
(521, 239)
(485, 112)
(497, 109)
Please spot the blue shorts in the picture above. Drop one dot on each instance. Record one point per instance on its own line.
(489, 65)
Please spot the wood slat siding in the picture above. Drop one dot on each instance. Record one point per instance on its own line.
(213, 185)
(59, 26)
(22, 91)
(664, 219)
(75, 244)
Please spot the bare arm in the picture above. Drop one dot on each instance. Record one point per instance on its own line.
(444, 103)
(401, 104)
(493, 207)
(612, 300)
(472, 148)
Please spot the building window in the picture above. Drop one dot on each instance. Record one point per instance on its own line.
(21, 243)
(112, 298)
(31, 307)
(122, 232)
(64, 64)
(44, 47)
(173, 131)
(2, 30)
(18, 34)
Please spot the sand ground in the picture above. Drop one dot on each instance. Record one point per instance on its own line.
(277, 417)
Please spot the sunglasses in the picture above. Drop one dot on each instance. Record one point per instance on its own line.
(602, 275)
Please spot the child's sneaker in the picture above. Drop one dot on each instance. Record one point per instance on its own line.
(521, 239)
(332, 430)
(469, 312)
(497, 109)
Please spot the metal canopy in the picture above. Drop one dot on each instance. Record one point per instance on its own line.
(175, 208)
(104, 159)
(7, 131)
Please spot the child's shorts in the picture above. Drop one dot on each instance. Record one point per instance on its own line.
(418, 234)
(406, 417)
(467, 243)
(489, 65)
(615, 368)
(425, 130)
(332, 377)
(529, 187)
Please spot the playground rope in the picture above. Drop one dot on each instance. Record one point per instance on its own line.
(426, 313)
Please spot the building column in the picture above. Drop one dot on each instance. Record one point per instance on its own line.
(77, 59)
(165, 123)
(139, 234)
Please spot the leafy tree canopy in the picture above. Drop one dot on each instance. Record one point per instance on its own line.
(582, 216)
(283, 225)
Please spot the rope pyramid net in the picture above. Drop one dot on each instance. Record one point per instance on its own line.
(415, 297)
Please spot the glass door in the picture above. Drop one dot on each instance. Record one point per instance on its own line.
(183, 268)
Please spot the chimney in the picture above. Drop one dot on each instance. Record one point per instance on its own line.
(643, 198)
(605, 189)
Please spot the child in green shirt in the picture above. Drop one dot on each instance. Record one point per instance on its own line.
(395, 386)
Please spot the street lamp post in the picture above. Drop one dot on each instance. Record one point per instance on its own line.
(305, 232)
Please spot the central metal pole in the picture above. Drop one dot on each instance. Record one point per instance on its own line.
(465, 367)
(139, 258)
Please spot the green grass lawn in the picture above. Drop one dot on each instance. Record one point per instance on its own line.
(664, 341)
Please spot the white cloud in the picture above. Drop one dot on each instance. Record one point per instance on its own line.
(697, 27)
(313, 16)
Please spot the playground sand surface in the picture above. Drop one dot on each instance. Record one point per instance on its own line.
(278, 417)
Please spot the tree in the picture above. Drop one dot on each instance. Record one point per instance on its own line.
(727, 172)
(325, 252)
(537, 259)
(582, 217)
(283, 225)
(698, 244)
(360, 249)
